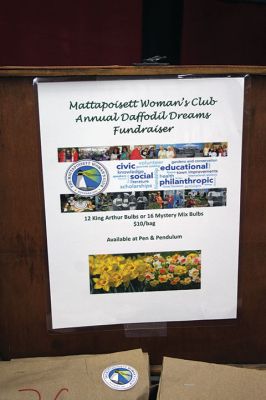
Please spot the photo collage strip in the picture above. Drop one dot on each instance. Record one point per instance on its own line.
(143, 200)
(142, 152)
(124, 201)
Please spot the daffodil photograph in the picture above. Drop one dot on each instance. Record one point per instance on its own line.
(143, 272)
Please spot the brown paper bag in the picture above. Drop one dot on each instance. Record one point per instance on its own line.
(193, 380)
(136, 359)
(70, 377)
(44, 380)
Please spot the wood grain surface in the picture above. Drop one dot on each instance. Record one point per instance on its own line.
(24, 293)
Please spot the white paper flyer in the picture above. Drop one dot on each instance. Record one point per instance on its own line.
(142, 198)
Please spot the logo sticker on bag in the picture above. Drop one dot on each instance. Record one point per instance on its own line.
(120, 377)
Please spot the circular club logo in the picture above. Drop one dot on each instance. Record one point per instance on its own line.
(87, 178)
(120, 377)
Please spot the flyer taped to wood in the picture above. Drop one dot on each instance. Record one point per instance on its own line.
(142, 198)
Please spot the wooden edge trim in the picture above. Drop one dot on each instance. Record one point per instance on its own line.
(29, 71)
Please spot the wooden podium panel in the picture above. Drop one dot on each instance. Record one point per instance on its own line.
(24, 294)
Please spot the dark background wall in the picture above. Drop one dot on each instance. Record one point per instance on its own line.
(223, 32)
(162, 29)
(82, 32)
(104, 32)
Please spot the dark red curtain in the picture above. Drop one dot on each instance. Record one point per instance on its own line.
(82, 32)
(224, 32)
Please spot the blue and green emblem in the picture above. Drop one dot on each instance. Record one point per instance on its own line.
(87, 178)
(120, 377)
